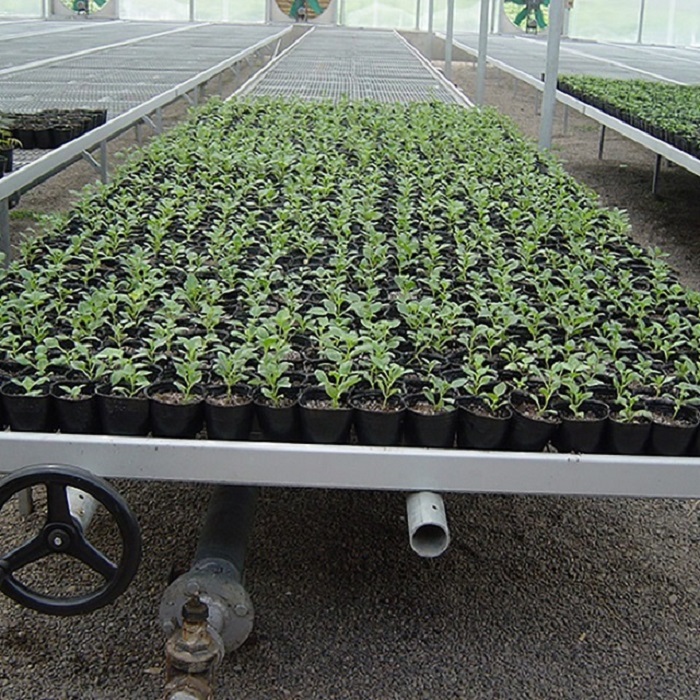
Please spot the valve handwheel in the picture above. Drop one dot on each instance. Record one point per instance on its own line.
(62, 533)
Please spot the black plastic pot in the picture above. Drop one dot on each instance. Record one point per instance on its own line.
(279, 423)
(478, 431)
(170, 416)
(27, 413)
(378, 427)
(8, 155)
(623, 438)
(422, 429)
(123, 415)
(323, 425)
(42, 139)
(530, 433)
(79, 415)
(228, 421)
(671, 440)
(582, 435)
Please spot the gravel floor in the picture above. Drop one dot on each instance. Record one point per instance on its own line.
(538, 597)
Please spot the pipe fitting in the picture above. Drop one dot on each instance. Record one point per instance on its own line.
(428, 532)
(192, 655)
(216, 582)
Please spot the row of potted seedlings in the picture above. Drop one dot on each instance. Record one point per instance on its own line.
(410, 275)
(667, 111)
(428, 412)
(51, 128)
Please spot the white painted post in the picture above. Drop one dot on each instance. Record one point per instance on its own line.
(431, 8)
(417, 15)
(449, 36)
(549, 95)
(483, 46)
(640, 27)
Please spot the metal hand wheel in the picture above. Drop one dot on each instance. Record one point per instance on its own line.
(62, 533)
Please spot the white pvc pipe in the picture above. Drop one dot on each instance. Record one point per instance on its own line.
(427, 524)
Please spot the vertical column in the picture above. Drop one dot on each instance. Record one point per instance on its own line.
(449, 35)
(192, 2)
(494, 15)
(431, 9)
(5, 230)
(549, 95)
(640, 28)
(483, 46)
(417, 15)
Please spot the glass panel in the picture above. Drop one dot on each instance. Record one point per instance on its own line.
(229, 10)
(21, 8)
(605, 20)
(676, 23)
(173, 10)
(387, 14)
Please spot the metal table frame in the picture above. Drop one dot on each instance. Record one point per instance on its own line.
(346, 466)
(357, 467)
(149, 113)
(660, 148)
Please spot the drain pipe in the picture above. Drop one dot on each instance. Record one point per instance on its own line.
(216, 576)
(428, 532)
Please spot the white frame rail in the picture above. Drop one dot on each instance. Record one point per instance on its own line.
(357, 467)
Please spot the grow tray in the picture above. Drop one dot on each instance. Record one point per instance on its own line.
(423, 244)
(667, 112)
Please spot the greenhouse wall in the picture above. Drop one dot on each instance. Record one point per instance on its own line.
(21, 8)
(675, 22)
(229, 10)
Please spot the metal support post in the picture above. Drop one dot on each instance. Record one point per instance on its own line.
(566, 119)
(5, 230)
(494, 15)
(601, 142)
(549, 94)
(217, 572)
(159, 120)
(192, 10)
(195, 95)
(483, 47)
(417, 15)
(449, 36)
(138, 132)
(431, 11)
(25, 502)
(104, 156)
(640, 27)
(657, 172)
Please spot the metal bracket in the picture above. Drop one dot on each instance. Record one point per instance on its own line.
(100, 165)
(601, 142)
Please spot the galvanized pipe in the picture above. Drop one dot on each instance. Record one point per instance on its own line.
(226, 530)
(216, 576)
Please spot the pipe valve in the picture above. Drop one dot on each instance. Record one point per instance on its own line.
(192, 654)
